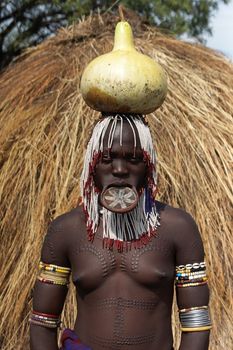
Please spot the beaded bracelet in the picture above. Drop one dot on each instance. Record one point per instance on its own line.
(44, 320)
(191, 275)
(194, 266)
(53, 274)
(196, 284)
(55, 268)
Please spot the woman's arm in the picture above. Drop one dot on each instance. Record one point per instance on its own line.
(191, 286)
(190, 297)
(48, 300)
(50, 288)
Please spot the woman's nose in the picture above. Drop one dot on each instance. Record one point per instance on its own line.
(119, 167)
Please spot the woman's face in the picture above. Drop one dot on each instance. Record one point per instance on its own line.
(121, 166)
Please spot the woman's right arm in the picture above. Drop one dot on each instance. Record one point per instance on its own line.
(50, 290)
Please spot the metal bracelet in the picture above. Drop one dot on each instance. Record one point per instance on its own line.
(195, 317)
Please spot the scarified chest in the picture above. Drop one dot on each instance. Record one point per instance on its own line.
(92, 265)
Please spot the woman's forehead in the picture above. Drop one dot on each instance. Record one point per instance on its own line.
(124, 135)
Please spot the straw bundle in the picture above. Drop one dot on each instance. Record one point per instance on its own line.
(44, 128)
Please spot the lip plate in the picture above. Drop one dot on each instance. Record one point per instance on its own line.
(130, 207)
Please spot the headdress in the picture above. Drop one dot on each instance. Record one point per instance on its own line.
(138, 225)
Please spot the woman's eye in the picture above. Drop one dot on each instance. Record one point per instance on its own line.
(106, 159)
(134, 160)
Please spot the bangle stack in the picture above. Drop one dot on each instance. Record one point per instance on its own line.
(195, 319)
(53, 274)
(191, 275)
(44, 320)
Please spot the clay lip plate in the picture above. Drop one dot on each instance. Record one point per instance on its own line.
(119, 198)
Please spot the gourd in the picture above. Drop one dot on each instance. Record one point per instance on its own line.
(124, 80)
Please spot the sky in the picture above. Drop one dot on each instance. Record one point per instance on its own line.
(222, 26)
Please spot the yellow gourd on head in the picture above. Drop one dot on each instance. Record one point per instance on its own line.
(124, 80)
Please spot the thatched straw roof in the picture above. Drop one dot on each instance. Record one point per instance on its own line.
(44, 127)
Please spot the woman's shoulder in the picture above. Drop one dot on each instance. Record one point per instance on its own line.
(69, 221)
(63, 233)
(182, 231)
(173, 214)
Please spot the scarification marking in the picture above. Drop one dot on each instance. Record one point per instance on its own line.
(54, 227)
(125, 303)
(119, 339)
(149, 248)
(50, 248)
(112, 343)
(118, 327)
(112, 259)
(95, 251)
(123, 262)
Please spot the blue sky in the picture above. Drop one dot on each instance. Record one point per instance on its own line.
(222, 24)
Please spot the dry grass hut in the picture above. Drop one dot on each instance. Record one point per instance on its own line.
(44, 127)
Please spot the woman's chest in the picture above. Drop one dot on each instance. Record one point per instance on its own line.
(151, 265)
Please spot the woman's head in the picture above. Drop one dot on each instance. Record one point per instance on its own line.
(120, 153)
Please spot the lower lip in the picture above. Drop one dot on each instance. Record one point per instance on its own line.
(118, 184)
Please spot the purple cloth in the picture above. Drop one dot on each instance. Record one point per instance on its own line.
(70, 341)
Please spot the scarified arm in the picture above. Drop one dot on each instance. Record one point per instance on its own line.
(50, 290)
(191, 286)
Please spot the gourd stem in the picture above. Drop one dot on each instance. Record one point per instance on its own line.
(123, 39)
(120, 9)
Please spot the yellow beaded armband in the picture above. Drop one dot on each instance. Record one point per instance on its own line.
(53, 274)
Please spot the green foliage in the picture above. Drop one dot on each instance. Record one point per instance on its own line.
(187, 16)
(24, 23)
